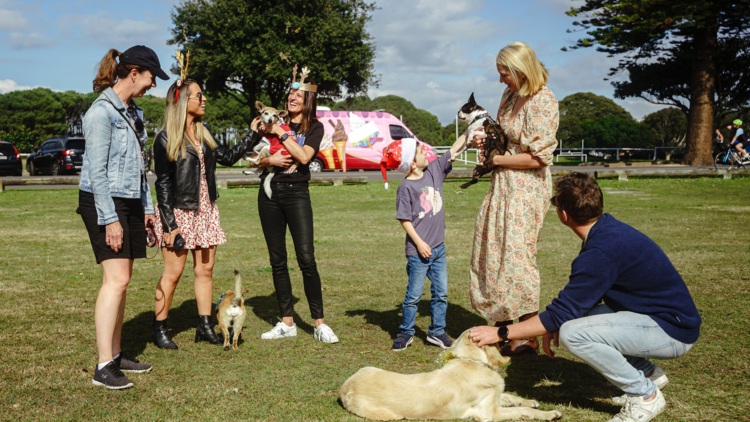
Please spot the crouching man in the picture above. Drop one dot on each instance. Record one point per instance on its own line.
(647, 313)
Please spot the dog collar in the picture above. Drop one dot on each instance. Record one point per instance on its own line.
(448, 356)
(219, 301)
(481, 116)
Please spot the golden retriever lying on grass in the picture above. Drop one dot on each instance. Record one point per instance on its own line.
(466, 387)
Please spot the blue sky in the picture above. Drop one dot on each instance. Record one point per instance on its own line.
(432, 52)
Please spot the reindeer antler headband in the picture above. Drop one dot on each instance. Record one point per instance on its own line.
(184, 64)
(301, 85)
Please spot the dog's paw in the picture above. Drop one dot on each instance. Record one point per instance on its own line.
(554, 415)
(533, 404)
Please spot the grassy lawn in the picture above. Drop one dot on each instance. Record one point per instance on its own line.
(49, 283)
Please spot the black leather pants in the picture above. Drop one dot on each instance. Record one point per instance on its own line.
(290, 206)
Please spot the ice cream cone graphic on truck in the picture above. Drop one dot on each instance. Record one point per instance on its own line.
(326, 148)
(339, 140)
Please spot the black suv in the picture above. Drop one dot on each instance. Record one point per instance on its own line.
(10, 160)
(57, 156)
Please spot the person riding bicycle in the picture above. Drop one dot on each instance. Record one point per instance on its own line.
(739, 139)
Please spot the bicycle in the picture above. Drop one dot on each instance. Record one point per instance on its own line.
(729, 155)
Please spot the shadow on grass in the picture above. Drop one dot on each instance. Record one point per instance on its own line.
(267, 309)
(136, 332)
(560, 381)
(458, 319)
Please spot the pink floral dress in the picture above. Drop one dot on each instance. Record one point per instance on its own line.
(504, 276)
(200, 228)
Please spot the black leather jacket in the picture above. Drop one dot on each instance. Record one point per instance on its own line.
(178, 183)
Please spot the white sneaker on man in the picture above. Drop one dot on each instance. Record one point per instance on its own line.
(324, 333)
(657, 376)
(634, 409)
(281, 330)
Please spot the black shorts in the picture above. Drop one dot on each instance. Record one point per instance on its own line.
(130, 213)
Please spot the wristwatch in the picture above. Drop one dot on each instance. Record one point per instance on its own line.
(283, 137)
(503, 333)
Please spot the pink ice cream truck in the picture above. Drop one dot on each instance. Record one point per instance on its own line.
(355, 139)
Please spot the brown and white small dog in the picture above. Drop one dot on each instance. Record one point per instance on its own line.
(269, 116)
(231, 312)
(466, 387)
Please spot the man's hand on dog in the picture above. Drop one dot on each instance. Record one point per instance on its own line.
(114, 236)
(484, 335)
(546, 343)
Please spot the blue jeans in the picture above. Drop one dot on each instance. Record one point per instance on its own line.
(617, 345)
(435, 267)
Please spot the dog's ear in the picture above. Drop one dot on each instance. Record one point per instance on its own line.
(283, 114)
(494, 358)
(471, 99)
(259, 105)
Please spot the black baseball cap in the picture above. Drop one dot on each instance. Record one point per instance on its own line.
(143, 56)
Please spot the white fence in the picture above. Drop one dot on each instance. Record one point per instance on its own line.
(469, 156)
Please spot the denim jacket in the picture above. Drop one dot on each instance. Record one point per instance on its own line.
(112, 164)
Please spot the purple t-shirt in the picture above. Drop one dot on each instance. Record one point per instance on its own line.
(421, 202)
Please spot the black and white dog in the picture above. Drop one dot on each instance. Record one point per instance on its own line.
(479, 122)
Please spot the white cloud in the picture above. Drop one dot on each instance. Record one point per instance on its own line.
(639, 107)
(585, 73)
(12, 20)
(30, 41)
(99, 29)
(561, 6)
(8, 85)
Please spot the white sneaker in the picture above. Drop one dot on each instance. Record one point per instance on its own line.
(281, 330)
(636, 410)
(658, 377)
(324, 333)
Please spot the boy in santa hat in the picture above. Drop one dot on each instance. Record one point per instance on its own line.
(419, 208)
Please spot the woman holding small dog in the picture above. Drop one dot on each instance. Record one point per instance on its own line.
(185, 156)
(114, 199)
(290, 205)
(504, 275)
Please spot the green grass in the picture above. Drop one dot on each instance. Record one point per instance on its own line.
(49, 283)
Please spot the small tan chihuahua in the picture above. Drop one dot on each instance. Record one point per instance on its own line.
(231, 312)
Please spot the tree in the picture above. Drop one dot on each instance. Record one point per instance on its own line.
(645, 30)
(576, 108)
(248, 48)
(37, 109)
(23, 139)
(614, 132)
(666, 81)
(669, 126)
(225, 116)
(423, 124)
(153, 112)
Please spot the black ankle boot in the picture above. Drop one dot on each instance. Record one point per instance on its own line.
(205, 330)
(161, 336)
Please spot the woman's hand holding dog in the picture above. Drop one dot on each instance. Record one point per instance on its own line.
(169, 237)
(278, 159)
(478, 143)
(114, 236)
(273, 129)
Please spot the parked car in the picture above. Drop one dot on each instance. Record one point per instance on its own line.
(10, 160)
(57, 156)
(360, 136)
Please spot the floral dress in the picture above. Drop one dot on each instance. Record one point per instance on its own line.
(504, 275)
(200, 228)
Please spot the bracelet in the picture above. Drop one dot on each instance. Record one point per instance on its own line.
(284, 137)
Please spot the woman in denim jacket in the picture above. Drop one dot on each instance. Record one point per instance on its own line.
(114, 197)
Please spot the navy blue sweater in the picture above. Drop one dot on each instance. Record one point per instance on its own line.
(631, 273)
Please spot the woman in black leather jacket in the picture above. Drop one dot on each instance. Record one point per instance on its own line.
(185, 155)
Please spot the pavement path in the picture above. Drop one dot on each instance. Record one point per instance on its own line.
(372, 175)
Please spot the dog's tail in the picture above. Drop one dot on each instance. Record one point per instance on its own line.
(237, 300)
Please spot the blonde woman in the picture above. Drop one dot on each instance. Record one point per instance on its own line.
(504, 274)
(185, 156)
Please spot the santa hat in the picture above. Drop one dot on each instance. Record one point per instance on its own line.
(398, 156)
